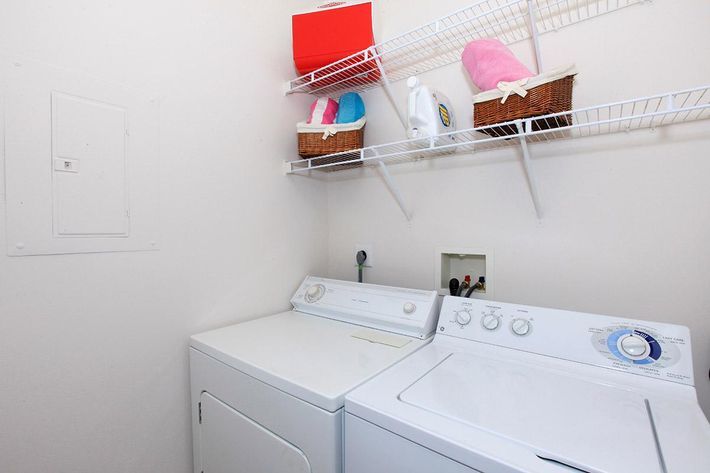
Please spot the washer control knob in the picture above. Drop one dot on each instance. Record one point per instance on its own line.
(409, 308)
(634, 346)
(463, 318)
(490, 322)
(520, 327)
(314, 293)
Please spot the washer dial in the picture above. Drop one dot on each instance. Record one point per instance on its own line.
(490, 322)
(463, 317)
(314, 293)
(520, 327)
(634, 347)
(409, 308)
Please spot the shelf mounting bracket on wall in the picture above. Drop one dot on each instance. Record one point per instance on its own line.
(388, 88)
(535, 35)
(381, 167)
(532, 182)
(393, 188)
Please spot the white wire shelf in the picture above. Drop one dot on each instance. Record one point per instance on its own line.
(645, 112)
(440, 42)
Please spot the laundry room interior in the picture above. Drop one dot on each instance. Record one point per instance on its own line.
(239, 181)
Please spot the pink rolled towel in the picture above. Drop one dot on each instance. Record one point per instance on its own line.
(489, 61)
(323, 111)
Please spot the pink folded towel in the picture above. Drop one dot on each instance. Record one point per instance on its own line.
(323, 111)
(489, 61)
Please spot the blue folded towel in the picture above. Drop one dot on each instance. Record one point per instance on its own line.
(351, 108)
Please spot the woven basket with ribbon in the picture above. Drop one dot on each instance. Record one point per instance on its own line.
(527, 98)
(318, 140)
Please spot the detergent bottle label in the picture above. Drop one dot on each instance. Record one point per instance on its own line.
(444, 115)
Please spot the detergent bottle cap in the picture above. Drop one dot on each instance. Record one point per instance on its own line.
(412, 82)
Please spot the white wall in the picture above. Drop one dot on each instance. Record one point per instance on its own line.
(93, 348)
(93, 371)
(626, 220)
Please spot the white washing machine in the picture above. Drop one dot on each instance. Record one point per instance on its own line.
(505, 388)
(267, 395)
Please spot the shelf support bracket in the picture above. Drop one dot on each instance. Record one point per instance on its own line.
(532, 182)
(388, 88)
(534, 34)
(287, 168)
(394, 190)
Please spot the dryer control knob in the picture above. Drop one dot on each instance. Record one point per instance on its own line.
(409, 308)
(490, 322)
(314, 293)
(463, 318)
(634, 347)
(520, 327)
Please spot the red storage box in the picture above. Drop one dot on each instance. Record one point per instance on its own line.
(332, 32)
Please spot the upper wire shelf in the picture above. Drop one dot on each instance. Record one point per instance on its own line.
(440, 42)
(645, 112)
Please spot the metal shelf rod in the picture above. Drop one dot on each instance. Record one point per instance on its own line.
(535, 35)
(439, 43)
(387, 177)
(644, 112)
(532, 182)
(378, 55)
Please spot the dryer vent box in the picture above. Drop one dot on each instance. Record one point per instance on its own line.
(457, 263)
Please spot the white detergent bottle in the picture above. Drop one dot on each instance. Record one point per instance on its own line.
(429, 113)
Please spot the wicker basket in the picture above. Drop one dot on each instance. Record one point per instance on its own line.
(549, 97)
(343, 137)
(311, 145)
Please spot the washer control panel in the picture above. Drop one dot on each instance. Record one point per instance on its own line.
(405, 311)
(640, 345)
(651, 349)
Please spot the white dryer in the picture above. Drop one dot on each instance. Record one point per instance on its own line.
(267, 395)
(505, 388)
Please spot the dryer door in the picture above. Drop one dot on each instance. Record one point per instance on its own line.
(233, 443)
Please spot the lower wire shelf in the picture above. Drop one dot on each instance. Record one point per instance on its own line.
(645, 112)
